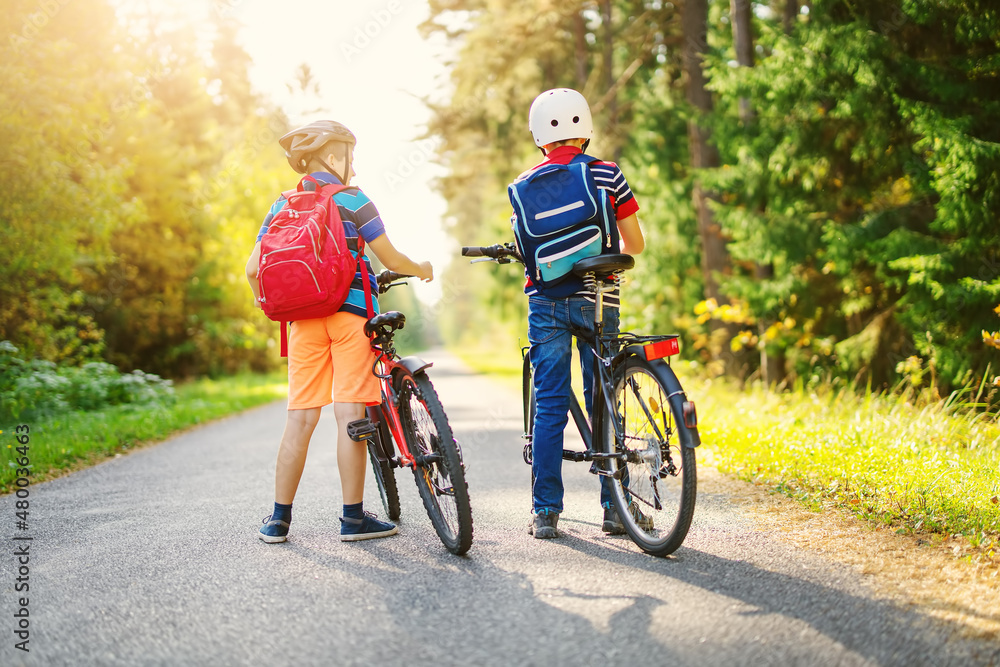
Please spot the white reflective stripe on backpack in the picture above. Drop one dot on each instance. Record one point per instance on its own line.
(561, 209)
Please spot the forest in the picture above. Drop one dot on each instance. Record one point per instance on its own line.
(819, 182)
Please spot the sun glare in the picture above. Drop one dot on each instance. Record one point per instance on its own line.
(371, 70)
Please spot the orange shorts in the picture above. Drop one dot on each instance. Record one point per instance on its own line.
(330, 359)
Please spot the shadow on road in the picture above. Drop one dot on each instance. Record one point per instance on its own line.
(878, 630)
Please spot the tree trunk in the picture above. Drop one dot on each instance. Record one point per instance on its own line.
(741, 16)
(580, 48)
(704, 155)
(611, 127)
(791, 15)
(715, 256)
(772, 366)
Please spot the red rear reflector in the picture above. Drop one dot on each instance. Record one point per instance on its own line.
(690, 414)
(664, 348)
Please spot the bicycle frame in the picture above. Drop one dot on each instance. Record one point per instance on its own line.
(387, 367)
(607, 350)
(602, 378)
(388, 412)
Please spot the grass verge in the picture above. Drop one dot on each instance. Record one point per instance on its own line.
(73, 440)
(931, 471)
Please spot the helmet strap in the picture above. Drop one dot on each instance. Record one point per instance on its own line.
(583, 148)
(329, 168)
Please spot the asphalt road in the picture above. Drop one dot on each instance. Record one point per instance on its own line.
(152, 559)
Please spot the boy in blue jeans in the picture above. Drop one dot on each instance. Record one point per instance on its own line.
(561, 125)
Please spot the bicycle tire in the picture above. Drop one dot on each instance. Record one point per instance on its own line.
(527, 397)
(528, 404)
(659, 477)
(441, 483)
(385, 476)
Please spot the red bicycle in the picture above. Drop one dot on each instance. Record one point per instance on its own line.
(409, 429)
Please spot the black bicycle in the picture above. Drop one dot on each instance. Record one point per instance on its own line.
(645, 429)
(410, 429)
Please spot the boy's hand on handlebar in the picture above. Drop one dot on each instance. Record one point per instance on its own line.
(426, 271)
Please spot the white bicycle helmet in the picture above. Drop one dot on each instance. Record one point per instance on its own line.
(559, 114)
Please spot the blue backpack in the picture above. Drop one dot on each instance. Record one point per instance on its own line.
(561, 217)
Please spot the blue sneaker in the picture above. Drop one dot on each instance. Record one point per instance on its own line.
(273, 532)
(367, 528)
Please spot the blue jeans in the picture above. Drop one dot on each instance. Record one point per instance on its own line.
(549, 332)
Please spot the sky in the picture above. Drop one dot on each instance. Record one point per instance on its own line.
(373, 69)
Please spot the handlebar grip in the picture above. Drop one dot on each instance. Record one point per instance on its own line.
(472, 251)
(386, 277)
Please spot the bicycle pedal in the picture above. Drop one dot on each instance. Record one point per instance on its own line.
(360, 430)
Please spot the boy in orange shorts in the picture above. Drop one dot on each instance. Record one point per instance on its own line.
(331, 353)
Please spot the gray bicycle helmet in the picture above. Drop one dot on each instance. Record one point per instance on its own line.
(300, 144)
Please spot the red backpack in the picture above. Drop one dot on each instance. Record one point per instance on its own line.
(306, 268)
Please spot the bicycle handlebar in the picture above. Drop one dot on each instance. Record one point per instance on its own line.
(387, 278)
(501, 252)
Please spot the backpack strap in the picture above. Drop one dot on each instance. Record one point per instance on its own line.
(336, 188)
(365, 282)
(584, 158)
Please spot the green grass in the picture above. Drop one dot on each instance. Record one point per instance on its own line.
(72, 440)
(932, 470)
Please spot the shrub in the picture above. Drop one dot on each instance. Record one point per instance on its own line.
(36, 388)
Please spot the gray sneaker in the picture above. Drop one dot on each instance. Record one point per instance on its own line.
(612, 525)
(543, 525)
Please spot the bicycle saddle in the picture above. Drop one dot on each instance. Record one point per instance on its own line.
(391, 320)
(603, 265)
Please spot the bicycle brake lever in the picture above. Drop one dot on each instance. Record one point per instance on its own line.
(481, 259)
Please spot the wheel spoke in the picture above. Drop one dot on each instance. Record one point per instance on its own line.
(439, 472)
(653, 483)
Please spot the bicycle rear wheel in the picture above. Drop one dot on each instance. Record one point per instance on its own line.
(654, 487)
(439, 473)
(385, 476)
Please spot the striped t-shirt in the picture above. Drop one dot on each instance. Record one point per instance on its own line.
(360, 218)
(608, 176)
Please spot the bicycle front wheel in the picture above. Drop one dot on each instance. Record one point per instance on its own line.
(385, 477)
(440, 472)
(654, 482)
